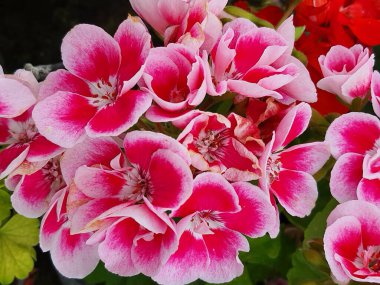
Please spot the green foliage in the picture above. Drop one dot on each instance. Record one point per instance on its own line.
(18, 235)
(299, 32)
(238, 12)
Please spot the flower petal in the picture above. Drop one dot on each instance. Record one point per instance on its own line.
(292, 125)
(11, 158)
(15, 98)
(42, 149)
(90, 53)
(140, 145)
(353, 132)
(117, 117)
(62, 117)
(257, 214)
(211, 192)
(171, 179)
(308, 157)
(368, 190)
(87, 153)
(345, 177)
(296, 191)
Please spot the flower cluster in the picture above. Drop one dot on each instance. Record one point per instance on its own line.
(162, 160)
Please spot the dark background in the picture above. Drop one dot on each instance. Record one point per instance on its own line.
(31, 31)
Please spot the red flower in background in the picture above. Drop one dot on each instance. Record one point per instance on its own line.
(328, 23)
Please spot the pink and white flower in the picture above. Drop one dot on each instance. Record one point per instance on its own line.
(354, 141)
(257, 62)
(18, 93)
(25, 143)
(352, 242)
(94, 97)
(176, 79)
(69, 252)
(347, 72)
(139, 177)
(34, 185)
(288, 173)
(214, 146)
(214, 219)
(138, 240)
(183, 21)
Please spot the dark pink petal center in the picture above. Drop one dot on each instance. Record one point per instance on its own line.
(204, 221)
(369, 258)
(210, 143)
(22, 131)
(138, 184)
(273, 168)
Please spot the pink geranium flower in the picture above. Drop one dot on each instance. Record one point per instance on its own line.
(352, 242)
(94, 97)
(69, 252)
(288, 173)
(176, 79)
(213, 144)
(354, 140)
(17, 93)
(257, 62)
(33, 186)
(139, 239)
(214, 219)
(177, 21)
(347, 72)
(25, 143)
(139, 177)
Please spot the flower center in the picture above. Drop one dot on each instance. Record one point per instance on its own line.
(369, 258)
(202, 222)
(137, 185)
(273, 168)
(104, 92)
(210, 143)
(52, 172)
(22, 132)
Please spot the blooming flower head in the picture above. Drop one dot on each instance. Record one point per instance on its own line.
(181, 21)
(213, 146)
(352, 242)
(257, 62)
(102, 70)
(354, 141)
(210, 231)
(347, 72)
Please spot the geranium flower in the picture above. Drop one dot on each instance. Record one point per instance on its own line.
(25, 143)
(139, 239)
(18, 93)
(176, 21)
(139, 177)
(214, 219)
(213, 144)
(176, 79)
(33, 186)
(354, 140)
(257, 62)
(69, 252)
(352, 242)
(347, 72)
(94, 96)
(288, 173)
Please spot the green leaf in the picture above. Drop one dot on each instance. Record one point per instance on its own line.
(241, 13)
(317, 226)
(262, 250)
(300, 55)
(299, 32)
(17, 238)
(5, 206)
(303, 272)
